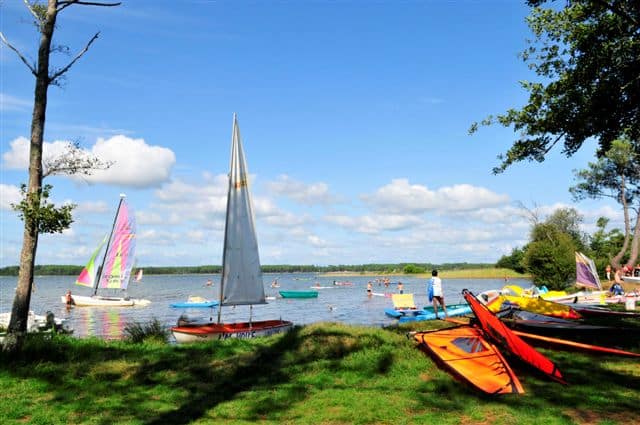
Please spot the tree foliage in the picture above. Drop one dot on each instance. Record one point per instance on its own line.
(513, 261)
(551, 261)
(37, 209)
(616, 175)
(587, 55)
(549, 255)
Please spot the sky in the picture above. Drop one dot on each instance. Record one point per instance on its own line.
(354, 117)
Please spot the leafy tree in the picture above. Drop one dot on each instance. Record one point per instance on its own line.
(513, 261)
(35, 210)
(551, 260)
(412, 269)
(615, 175)
(550, 254)
(587, 55)
(604, 245)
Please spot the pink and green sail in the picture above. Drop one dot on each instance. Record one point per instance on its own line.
(119, 257)
(87, 276)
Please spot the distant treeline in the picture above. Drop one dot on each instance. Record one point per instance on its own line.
(67, 270)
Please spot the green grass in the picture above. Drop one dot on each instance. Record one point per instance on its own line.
(318, 374)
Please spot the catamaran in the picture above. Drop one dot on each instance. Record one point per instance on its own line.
(115, 269)
(241, 282)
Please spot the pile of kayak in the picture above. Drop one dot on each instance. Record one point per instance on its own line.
(475, 349)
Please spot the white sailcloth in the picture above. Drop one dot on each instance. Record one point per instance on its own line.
(241, 275)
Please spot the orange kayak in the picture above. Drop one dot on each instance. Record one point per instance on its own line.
(464, 352)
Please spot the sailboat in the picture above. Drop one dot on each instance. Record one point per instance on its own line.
(115, 269)
(241, 282)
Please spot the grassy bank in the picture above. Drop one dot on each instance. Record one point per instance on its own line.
(325, 373)
(480, 273)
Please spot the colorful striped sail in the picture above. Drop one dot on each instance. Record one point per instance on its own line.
(586, 273)
(87, 276)
(119, 258)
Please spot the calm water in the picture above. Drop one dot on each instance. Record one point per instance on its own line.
(347, 304)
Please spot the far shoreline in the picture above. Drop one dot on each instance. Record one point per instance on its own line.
(480, 273)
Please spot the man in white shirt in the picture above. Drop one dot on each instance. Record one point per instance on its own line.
(435, 293)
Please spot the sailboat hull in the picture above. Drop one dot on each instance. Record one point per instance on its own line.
(243, 330)
(98, 301)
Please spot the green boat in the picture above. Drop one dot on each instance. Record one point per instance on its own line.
(299, 294)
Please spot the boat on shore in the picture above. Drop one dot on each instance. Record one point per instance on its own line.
(571, 330)
(241, 282)
(428, 313)
(38, 323)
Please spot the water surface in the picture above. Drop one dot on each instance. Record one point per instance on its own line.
(346, 304)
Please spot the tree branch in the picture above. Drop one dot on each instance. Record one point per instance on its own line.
(560, 136)
(33, 12)
(78, 56)
(618, 10)
(31, 67)
(64, 4)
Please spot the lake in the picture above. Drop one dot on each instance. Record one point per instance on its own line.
(346, 304)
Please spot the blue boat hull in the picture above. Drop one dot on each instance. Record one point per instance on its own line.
(187, 304)
(451, 312)
(398, 313)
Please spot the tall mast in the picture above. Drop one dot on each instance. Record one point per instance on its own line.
(226, 219)
(106, 250)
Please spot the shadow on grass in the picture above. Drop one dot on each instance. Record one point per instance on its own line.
(267, 379)
(120, 382)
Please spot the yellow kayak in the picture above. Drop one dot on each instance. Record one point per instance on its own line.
(534, 305)
(532, 292)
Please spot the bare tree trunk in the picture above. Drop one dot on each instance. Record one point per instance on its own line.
(635, 244)
(20, 311)
(615, 261)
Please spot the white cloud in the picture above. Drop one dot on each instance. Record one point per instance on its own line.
(12, 103)
(18, 156)
(149, 218)
(306, 194)
(9, 194)
(95, 207)
(135, 163)
(401, 197)
(372, 224)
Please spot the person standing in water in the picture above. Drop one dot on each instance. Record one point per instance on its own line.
(435, 293)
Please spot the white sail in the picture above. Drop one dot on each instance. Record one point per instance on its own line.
(241, 275)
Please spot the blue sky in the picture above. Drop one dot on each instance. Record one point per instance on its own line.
(354, 118)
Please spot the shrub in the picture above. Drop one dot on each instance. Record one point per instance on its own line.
(137, 332)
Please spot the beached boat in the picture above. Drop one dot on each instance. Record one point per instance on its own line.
(571, 330)
(466, 353)
(504, 338)
(113, 274)
(631, 279)
(39, 323)
(536, 305)
(403, 305)
(428, 313)
(241, 282)
(298, 294)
